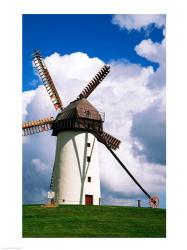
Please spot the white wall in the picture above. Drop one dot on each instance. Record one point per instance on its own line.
(71, 168)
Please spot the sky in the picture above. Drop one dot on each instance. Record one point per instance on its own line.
(132, 96)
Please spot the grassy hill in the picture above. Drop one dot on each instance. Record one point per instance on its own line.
(93, 221)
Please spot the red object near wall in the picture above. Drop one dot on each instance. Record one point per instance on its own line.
(88, 199)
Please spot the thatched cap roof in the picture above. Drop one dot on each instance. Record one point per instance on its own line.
(80, 109)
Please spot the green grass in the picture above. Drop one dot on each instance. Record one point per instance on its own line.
(93, 221)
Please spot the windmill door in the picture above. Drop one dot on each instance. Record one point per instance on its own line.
(88, 199)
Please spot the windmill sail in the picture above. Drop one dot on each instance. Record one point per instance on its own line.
(111, 141)
(37, 126)
(94, 82)
(47, 80)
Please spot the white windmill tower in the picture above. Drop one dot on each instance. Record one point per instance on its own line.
(75, 176)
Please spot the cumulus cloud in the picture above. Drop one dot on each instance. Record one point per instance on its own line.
(138, 21)
(155, 52)
(149, 128)
(38, 159)
(26, 99)
(122, 95)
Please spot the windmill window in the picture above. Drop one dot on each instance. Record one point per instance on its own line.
(88, 144)
(89, 179)
(88, 159)
(87, 113)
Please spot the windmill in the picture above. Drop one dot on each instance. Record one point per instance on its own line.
(78, 127)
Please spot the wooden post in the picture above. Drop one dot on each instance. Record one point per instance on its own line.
(99, 201)
(139, 205)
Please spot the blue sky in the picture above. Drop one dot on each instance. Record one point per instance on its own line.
(132, 96)
(94, 35)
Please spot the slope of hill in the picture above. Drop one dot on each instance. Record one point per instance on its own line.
(93, 221)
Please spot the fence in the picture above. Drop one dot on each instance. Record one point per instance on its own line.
(102, 201)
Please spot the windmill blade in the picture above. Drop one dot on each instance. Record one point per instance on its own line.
(110, 140)
(94, 82)
(47, 80)
(37, 126)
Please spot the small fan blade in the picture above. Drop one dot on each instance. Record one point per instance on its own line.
(37, 126)
(94, 82)
(47, 80)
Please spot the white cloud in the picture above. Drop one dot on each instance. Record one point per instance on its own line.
(150, 176)
(138, 21)
(154, 52)
(26, 99)
(73, 70)
(39, 165)
(121, 95)
(40, 102)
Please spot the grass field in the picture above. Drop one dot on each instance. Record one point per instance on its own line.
(93, 221)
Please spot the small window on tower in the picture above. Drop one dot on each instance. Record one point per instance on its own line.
(88, 159)
(88, 144)
(89, 179)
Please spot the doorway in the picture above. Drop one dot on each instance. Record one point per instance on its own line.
(88, 199)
